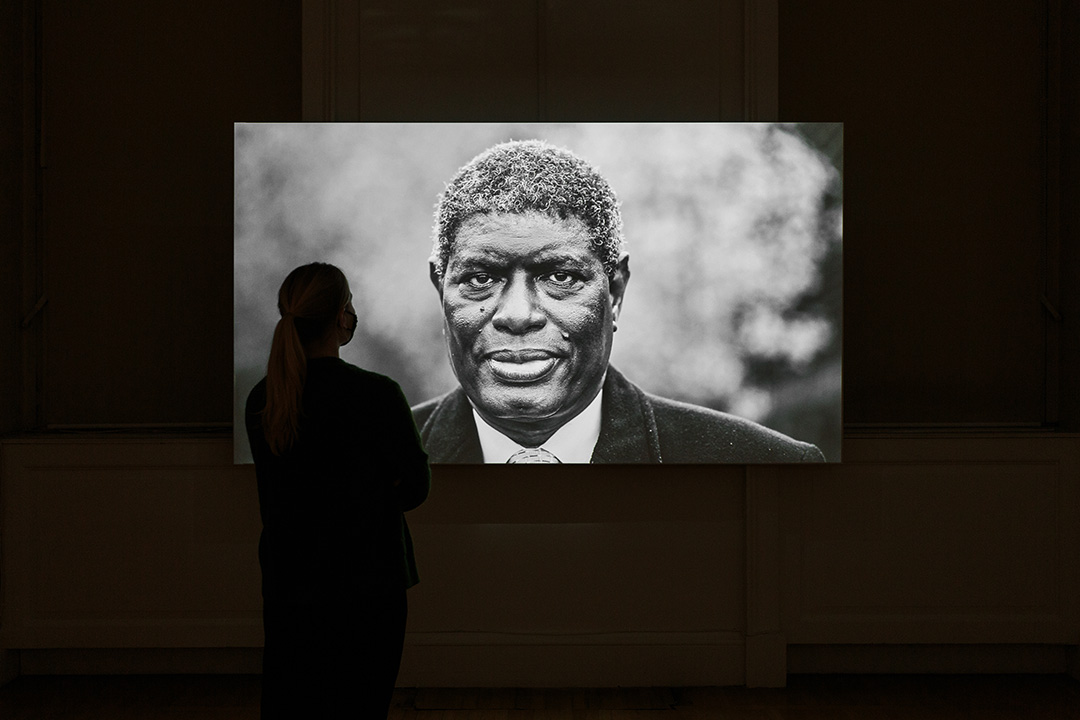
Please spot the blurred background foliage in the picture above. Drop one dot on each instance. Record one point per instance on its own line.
(734, 233)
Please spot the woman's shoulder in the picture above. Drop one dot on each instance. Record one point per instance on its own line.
(358, 377)
(256, 398)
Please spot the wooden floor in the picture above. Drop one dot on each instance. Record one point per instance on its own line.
(807, 697)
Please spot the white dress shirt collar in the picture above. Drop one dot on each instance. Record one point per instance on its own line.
(572, 443)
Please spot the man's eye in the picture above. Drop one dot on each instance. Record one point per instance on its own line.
(561, 277)
(480, 281)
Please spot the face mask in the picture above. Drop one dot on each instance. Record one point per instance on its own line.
(352, 330)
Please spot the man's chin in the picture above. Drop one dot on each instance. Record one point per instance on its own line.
(518, 409)
(519, 402)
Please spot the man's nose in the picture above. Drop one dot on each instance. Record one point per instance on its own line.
(518, 310)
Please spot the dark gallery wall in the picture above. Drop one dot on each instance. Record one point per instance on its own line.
(946, 217)
(16, 193)
(134, 242)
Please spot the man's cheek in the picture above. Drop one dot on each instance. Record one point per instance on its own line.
(584, 318)
(464, 323)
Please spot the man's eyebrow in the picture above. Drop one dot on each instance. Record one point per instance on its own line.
(542, 256)
(561, 258)
(496, 263)
(475, 257)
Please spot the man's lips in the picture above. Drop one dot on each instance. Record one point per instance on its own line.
(521, 356)
(521, 366)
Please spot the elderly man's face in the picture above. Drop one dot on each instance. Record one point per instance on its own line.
(528, 313)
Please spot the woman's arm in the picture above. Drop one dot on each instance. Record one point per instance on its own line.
(408, 462)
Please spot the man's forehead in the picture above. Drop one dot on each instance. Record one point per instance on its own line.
(520, 234)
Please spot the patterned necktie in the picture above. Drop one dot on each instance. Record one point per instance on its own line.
(534, 455)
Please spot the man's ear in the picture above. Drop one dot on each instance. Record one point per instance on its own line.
(436, 279)
(617, 285)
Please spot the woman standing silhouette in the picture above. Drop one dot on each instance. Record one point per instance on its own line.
(338, 461)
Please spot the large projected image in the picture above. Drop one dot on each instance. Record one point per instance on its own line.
(565, 293)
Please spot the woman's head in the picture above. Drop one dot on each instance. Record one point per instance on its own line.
(317, 317)
(315, 298)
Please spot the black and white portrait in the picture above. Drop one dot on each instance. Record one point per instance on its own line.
(566, 293)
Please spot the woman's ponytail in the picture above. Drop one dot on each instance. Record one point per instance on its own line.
(309, 300)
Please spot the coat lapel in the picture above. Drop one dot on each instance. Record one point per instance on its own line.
(449, 433)
(627, 426)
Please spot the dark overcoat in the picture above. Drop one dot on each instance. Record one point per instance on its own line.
(635, 427)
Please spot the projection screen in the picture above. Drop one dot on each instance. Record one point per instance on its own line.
(724, 339)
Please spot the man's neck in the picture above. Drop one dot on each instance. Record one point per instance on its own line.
(571, 442)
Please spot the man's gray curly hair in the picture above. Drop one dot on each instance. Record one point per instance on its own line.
(523, 175)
